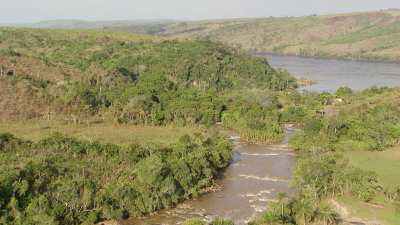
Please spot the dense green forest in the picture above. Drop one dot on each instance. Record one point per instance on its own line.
(82, 76)
(61, 180)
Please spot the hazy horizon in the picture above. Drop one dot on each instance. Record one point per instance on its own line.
(19, 11)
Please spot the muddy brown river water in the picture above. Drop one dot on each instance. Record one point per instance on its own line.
(255, 177)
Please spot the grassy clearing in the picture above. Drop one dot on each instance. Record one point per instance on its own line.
(103, 132)
(385, 214)
(386, 164)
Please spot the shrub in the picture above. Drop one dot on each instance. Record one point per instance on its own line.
(220, 221)
(343, 92)
(364, 185)
(194, 222)
(9, 142)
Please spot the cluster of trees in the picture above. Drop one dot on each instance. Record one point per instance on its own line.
(362, 124)
(393, 196)
(304, 209)
(255, 115)
(329, 175)
(62, 180)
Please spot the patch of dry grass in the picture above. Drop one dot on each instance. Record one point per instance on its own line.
(103, 132)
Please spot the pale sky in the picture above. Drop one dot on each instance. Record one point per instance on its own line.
(25, 11)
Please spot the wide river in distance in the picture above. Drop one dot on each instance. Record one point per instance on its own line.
(331, 74)
(259, 172)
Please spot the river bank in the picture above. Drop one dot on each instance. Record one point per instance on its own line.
(327, 57)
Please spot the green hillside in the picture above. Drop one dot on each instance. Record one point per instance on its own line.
(370, 35)
(83, 77)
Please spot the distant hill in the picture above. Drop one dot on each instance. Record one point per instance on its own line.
(84, 24)
(363, 35)
(367, 35)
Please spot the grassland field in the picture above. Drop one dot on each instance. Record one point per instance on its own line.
(103, 132)
(386, 164)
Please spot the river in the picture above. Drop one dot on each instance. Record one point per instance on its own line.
(330, 74)
(259, 172)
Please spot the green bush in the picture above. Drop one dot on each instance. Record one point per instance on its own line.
(293, 114)
(220, 221)
(8, 142)
(363, 184)
(344, 92)
(194, 222)
(301, 209)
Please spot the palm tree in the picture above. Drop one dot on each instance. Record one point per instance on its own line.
(282, 199)
(304, 209)
(326, 215)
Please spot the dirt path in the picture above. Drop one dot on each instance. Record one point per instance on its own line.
(348, 219)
